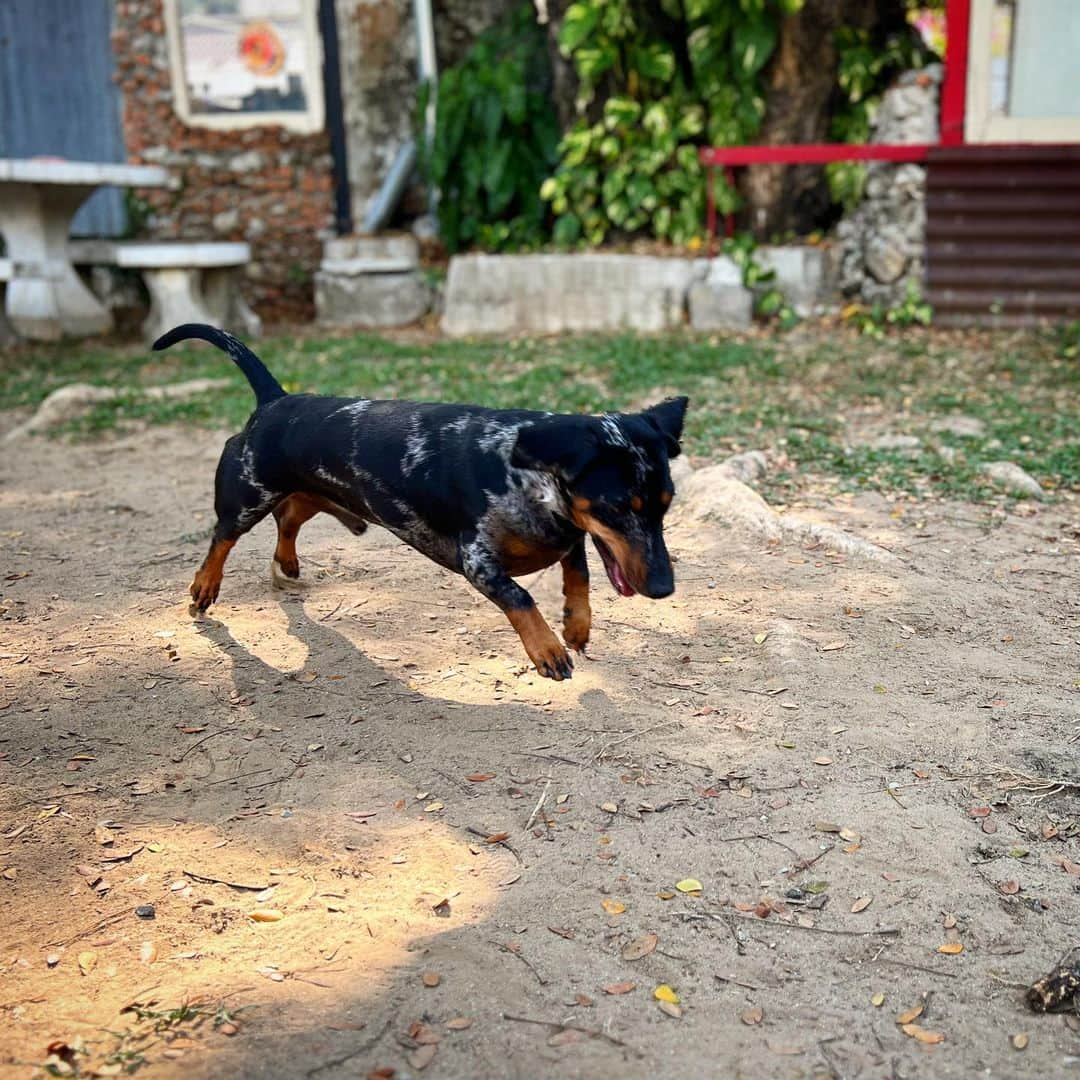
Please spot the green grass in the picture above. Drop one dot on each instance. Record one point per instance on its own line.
(818, 395)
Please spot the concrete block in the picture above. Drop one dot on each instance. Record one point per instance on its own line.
(370, 300)
(800, 273)
(551, 294)
(723, 307)
(385, 253)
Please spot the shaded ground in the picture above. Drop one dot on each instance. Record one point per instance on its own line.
(321, 747)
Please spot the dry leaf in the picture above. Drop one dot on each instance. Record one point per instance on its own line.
(930, 1038)
(1020, 1040)
(1009, 888)
(670, 1009)
(423, 1056)
(609, 807)
(878, 1000)
(103, 836)
(459, 1023)
(433, 807)
(689, 885)
(753, 1016)
(951, 948)
(665, 993)
(910, 1014)
(497, 838)
(87, 960)
(640, 947)
(613, 907)
(620, 988)
(265, 915)
(861, 904)
(759, 639)
(431, 979)
(148, 952)
(949, 921)
(823, 760)
(480, 777)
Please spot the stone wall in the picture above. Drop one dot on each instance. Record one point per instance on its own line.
(266, 185)
(881, 246)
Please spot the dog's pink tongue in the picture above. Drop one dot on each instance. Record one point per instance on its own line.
(624, 586)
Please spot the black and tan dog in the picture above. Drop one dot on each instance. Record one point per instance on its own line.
(491, 494)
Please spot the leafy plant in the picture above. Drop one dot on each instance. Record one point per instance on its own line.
(631, 164)
(495, 139)
(865, 71)
(874, 320)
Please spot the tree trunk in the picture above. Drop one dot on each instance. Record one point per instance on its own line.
(801, 77)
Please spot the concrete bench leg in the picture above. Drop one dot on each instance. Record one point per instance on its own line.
(47, 299)
(221, 289)
(175, 298)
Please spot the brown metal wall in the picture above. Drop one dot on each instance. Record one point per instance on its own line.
(1003, 234)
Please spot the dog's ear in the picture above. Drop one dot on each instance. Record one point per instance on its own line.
(562, 445)
(667, 418)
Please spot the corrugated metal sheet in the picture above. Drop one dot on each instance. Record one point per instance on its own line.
(57, 96)
(1003, 234)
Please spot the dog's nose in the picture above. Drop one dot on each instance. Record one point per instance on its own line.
(660, 583)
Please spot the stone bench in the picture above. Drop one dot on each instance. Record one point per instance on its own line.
(187, 281)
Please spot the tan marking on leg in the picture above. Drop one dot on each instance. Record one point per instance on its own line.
(544, 648)
(577, 612)
(291, 514)
(207, 583)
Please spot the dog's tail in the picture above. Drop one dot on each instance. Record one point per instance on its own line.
(266, 387)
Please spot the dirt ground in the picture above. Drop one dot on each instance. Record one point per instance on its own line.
(802, 733)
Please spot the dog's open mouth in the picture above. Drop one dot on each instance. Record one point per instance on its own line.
(614, 571)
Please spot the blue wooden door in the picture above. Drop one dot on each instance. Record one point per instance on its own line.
(57, 95)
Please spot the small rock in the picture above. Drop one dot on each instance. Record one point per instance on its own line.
(52, 959)
(896, 442)
(145, 911)
(963, 427)
(748, 467)
(1009, 475)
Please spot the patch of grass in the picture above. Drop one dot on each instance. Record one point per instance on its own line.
(820, 394)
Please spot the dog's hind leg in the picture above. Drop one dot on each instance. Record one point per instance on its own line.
(291, 513)
(240, 502)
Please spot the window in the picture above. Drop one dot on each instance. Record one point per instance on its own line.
(1023, 76)
(241, 63)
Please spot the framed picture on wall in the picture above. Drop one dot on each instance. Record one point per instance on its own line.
(242, 63)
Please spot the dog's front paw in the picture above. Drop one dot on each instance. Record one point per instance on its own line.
(552, 660)
(204, 591)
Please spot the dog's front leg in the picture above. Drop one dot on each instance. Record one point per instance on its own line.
(577, 614)
(483, 570)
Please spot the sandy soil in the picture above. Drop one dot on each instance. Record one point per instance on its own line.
(345, 753)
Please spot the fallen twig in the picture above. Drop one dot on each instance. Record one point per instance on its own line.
(593, 1033)
(633, 735)
(538, 806)
(199, 742)
(528, 963)
(920, 967)
(209, 880)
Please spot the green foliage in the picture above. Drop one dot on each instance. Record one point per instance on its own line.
(769, 301)
(865, 70)
(496, 134)
(874, 320)
(632, 164)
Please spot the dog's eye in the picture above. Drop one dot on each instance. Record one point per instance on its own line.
(636, 503)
